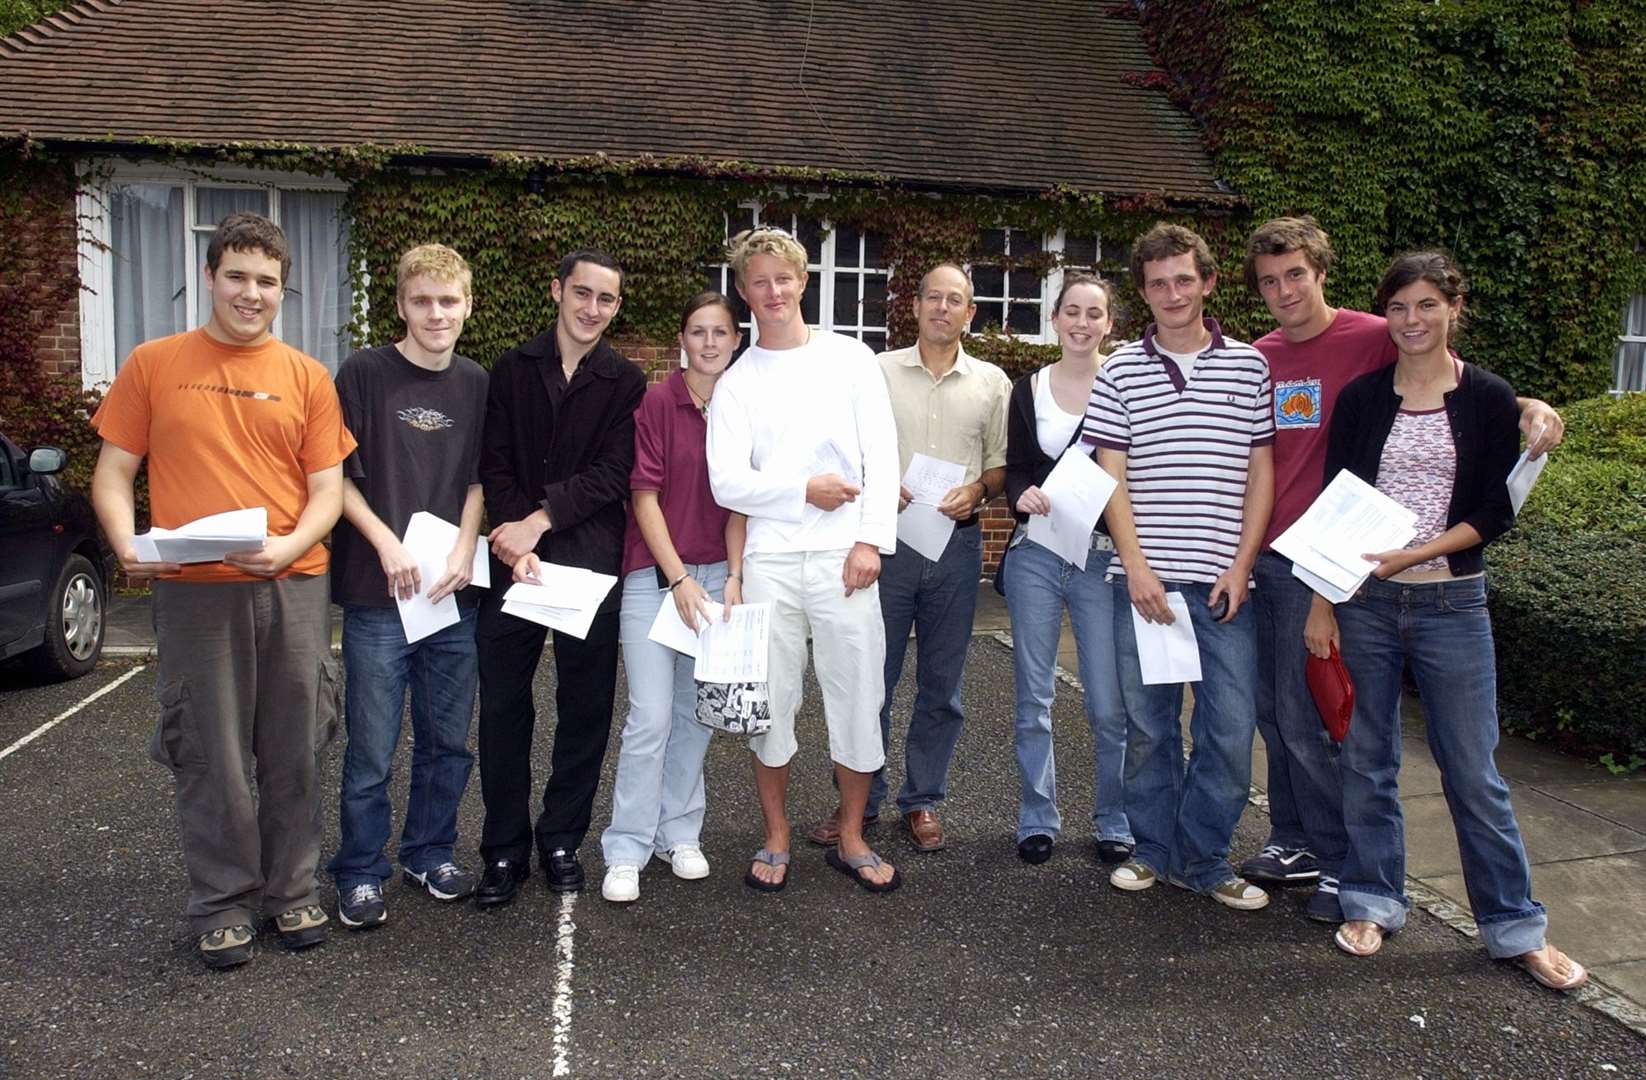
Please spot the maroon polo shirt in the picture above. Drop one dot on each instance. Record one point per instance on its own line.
(669, 458)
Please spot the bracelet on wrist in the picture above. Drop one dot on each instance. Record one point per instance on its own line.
(676, 581)
(735, 575)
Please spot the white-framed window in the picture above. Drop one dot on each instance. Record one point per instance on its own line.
(144, 231)
(846, 275)
(1016, 299)
(1629, 362)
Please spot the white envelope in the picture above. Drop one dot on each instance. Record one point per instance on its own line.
(1167, 654)
(1078, 490)
(925, 529)
(430, 540)
(205, 539)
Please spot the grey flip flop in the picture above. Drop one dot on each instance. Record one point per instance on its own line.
(851, 864)
(770, 858)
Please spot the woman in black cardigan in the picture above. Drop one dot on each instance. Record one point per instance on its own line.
(1439, 436)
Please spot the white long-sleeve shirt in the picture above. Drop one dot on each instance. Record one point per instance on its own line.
(778, 418)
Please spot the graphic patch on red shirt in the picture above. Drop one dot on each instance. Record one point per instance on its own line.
(1297, 403)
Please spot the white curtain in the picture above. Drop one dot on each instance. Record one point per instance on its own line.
(1629, 365)
(146, 236)
(318, 306)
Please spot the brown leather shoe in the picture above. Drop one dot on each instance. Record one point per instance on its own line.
(925, 829)
(827, 832)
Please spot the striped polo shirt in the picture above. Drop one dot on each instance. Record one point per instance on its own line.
(1187, 447)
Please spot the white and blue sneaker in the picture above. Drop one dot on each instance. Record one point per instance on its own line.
(1275, 865)
(1323, 905)
(361, 907)
(446, 882)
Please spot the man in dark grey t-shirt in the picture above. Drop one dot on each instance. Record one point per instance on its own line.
(416, 409)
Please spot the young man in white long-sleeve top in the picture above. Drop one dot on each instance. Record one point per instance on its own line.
(802, 440)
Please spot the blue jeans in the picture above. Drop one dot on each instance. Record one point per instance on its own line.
(1305, 790)
(1185, 819)
(938, 599)
(1039, 585)
(657, 798)
(1442, 629)
(380, 667)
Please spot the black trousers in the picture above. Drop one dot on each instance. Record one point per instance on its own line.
(586, 674)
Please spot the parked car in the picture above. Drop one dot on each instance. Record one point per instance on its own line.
(54, 565)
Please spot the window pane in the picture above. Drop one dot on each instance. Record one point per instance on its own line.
(1024, 319)
(874, 301)
(874, 253)
(988, 281)
(212, 205)
(845, 300)
(875, 341)
(1025, 284)
(149, 268)
(846, 245)
(316, 312)
(810, 234)
(989, 313)
(1080, 249)
(992, 242)
(1026, 243)
(812, 301)
(740, 220)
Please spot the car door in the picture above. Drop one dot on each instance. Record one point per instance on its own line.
(29, 544)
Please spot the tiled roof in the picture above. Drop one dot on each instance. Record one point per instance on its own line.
(990, 96)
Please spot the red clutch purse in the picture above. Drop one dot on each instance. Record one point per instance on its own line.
(1333, 691)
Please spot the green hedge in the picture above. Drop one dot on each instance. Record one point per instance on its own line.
(1568, 590)
(1569, 615)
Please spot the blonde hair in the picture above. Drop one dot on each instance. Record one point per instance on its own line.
(751, 242)
(437, 261)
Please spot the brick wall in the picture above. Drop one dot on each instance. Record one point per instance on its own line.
(58, 345)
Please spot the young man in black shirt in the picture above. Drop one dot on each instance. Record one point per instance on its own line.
(558, 449)
(416, 409)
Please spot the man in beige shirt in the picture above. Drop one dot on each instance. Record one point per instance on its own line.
(951, 407)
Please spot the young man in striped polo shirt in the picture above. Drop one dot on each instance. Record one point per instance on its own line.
(1182, 419)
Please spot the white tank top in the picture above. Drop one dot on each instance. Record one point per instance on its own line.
(1052, 426)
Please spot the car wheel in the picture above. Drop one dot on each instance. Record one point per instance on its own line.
(74, 623)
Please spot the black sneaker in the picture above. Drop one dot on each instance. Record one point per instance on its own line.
(1275, 865)
(361, 907)
(446, 882)
(1323, 905)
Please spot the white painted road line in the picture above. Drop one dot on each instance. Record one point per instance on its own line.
(65, 714)
(563, 986)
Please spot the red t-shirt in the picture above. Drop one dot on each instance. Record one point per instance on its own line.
(1307, 377)
(670, 458)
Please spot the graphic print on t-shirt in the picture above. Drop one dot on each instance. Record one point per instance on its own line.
(1297, 403)
(425, 419)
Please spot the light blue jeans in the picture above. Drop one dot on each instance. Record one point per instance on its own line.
(1039, 585)
(1442, 629)
(657, 798)
(1185, 818)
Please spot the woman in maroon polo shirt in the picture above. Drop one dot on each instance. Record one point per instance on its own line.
(680, 548)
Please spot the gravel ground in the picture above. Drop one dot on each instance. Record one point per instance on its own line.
(980, 966)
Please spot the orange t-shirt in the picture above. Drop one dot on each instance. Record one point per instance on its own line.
(226, 427)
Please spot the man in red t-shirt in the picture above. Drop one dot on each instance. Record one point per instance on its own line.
(229, 417)
(1315, 353)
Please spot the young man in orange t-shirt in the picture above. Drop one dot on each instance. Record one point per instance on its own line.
(229, 417)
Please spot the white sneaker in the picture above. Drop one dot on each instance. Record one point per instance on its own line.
(622, 884)
(687, 861)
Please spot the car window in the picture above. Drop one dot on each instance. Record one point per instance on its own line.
(8, 469)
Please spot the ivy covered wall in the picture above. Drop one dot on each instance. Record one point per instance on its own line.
(1511, 131)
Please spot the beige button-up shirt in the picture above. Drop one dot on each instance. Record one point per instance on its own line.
(960, 417)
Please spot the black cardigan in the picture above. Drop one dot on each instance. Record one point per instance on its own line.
(573, 461)
(1485, 422)
(1027, 465)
